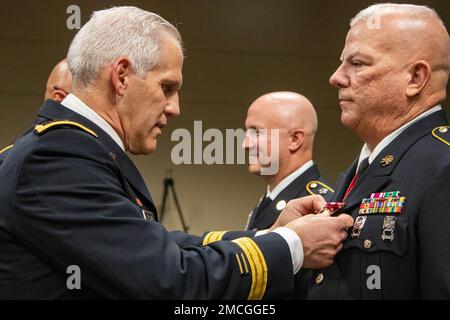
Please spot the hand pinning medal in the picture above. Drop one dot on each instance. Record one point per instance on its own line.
(332, 207)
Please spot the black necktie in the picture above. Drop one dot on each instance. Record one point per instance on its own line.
(256, 211)
(266, 201)
(363, 166)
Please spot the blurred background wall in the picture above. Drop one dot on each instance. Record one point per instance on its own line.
(236, 50)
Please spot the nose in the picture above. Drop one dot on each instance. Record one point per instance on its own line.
(247, 143)
(172, 109)
(339, 79)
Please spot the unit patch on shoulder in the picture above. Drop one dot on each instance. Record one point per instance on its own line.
(318, 187)
(40, 129)
(442, 133)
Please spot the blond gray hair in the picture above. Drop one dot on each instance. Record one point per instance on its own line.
(115, 32)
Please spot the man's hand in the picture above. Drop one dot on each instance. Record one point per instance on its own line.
(321, 237)
(299, 207)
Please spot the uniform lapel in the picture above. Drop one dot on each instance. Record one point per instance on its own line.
(257, 212)
(133, 177)
(376, 176)
(369, 183)
(344, 181)
(267, 216)
(52, 110)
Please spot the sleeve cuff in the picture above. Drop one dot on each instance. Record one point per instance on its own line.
(295, 246)
(261, 232)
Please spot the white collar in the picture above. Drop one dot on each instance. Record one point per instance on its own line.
(365, 152)
(75, 104)
(288, 180)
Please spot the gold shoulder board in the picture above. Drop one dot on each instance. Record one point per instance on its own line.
(442, 133)
(319, 188)
(7, 148)
(40, 129)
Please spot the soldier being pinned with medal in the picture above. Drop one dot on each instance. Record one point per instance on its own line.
(391, 82)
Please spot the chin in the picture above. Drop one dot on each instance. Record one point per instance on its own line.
(151, 148)
(254, 168)
(347, 120)
(144, 149)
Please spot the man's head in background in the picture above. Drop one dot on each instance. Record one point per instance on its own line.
(59, 83)
(126, 65)
(296, 120)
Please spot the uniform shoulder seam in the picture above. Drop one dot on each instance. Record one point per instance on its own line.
(41, 129)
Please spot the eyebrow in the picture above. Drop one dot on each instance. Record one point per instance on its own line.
(254, 127)
(172, 82)
(354, 54)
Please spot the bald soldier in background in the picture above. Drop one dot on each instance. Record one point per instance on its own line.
(59, 85)
(297, 175)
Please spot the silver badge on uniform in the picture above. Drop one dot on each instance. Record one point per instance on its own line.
(148, 215)
(388, 228)
(357, 226)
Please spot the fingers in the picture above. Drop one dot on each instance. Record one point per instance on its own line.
(343, 235)
(345, 221)
(308, 204)
(325, 213)
(318, 203)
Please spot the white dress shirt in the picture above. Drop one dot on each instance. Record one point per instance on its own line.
(73, 103)
(365, 152)
(288, 180)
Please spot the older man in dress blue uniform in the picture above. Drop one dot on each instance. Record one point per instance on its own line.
(71, 200)
(393, 77)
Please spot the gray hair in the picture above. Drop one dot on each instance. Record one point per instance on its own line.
(392, 8)
(118, 31)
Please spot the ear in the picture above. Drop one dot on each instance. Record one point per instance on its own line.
(420, 73)
(296, 138)
(120, 72)
(58, 95)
